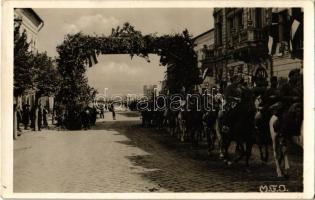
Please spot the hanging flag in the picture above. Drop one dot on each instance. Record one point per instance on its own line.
(270, 43)
(204, 73)
(294, 27)
(92, 60)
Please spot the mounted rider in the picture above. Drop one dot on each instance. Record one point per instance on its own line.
(290, 111)
(270, 96)
(232, 97)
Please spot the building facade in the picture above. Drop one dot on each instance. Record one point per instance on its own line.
(204, 47)
(256, 43)
(31, 23)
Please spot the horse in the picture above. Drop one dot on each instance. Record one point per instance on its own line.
(241, 126)
(170, 121)
(181, 124)
(209, 128)
(283, 128)
(194, 123)
(262, 130)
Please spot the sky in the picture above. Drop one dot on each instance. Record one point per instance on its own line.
(119, 73)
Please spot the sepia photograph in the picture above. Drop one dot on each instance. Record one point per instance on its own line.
(159, 99)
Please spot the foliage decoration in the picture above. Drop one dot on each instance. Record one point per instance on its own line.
(176, 52)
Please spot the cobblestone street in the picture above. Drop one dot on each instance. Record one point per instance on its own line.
(121, 156)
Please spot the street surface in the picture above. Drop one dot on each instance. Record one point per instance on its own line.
(121, 156)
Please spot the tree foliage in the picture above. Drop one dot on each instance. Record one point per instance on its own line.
(32, 70)
(23, 69)
(176, 52)
(47, 77)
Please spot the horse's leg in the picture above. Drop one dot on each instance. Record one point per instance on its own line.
(219, 137)
(249, 146)
(192, 135)
(240, 148)
(286, 159)
(209, 142)
(214, 138)
(226, 152)
(274, 134)
(263, 149)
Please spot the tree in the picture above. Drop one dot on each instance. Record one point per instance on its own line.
(47, 77)
(32, 71)
(23, 68)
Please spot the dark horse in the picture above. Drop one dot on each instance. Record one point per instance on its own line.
(241, 124)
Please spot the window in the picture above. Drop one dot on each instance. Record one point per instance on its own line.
(219, 34)
(230, 26)
(258, 18)
(239, 18)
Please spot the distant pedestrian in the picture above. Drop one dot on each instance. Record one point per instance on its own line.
(19, 117)
(26, 115)
(32, 116)
(40, 117)
(112, 109)
(102, 113)
(45, 122)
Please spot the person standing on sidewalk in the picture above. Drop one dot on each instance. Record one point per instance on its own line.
(26, 115)
(19, 118)
(45, 122)
(40, 116)
(102, 113)
(112, 109)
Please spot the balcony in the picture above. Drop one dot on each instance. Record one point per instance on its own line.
(208, 52)
(246, 37)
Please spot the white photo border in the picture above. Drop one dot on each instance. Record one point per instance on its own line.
(7, 96)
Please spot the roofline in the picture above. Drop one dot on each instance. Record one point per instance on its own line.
(35, 14)
(204, 33)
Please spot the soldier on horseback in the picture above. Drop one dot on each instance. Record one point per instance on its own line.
(291, 99)
(286, 123)
(232, 96)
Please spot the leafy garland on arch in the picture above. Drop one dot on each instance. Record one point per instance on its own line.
(176, 51)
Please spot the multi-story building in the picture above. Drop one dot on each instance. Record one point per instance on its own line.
(257, 43)
(31, 23)
(204, 48)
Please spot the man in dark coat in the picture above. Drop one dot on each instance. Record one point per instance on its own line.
(45, 122)
(26, 115)
(112, 109)
(40, 117)
(19, 117)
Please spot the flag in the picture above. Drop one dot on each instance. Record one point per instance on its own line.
(92, 60)
(270, 43)
(294, 27)
(204, 73)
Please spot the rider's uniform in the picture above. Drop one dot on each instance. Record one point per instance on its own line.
(291, 96)
(232, 96)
